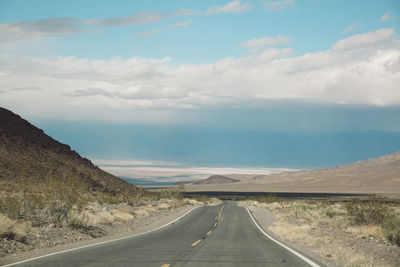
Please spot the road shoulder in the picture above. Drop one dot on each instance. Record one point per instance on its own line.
(265, 218)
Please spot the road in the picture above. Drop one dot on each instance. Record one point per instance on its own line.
(223, 235)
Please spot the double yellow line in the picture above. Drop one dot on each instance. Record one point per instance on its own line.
(217, 218)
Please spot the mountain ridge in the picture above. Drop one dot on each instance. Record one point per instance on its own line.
(384, 170)
(27, 152)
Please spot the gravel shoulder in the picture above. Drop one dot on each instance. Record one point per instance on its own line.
(51, 240)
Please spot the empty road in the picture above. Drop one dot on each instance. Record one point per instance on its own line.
(223, 235)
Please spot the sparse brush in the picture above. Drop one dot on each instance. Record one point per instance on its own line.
(374, 210)
(391, 229)
(12, 229)
(269, 199)
(175, 192)
(332, 213)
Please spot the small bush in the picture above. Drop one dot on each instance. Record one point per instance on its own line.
(331, 213)
(14, 230)
(391, 229)
(269, 199)
(372, 211)
(173, 192)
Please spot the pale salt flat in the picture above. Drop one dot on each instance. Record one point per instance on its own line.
(160, 171)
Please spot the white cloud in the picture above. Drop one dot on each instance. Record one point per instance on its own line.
(55, 27)
(366, 40)
(149, 33)
(21, 30)
(182, 24)
(257, 44)
(275, 6)
(350, 28)
(386, 17)
(345, 74)
(235, 6)
(135, 19)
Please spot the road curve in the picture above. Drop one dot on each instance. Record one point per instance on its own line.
(223, 235)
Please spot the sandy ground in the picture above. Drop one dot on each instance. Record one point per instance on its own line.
(328, 242)
(266, 218)
(116, 231)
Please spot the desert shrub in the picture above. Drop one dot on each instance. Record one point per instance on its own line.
(12, 207)
(332, 213)
(391, 229)
(12, 229)
(269, 199)
(53, 204)
(200, 198)
(374, 210)
(175, 192)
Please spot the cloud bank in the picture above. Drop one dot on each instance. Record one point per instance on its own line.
(363, 69)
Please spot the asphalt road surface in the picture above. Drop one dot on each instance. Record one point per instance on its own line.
(223, 235)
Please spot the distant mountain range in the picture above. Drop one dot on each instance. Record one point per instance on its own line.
(382, 171)
(26, 152)
(376, 175)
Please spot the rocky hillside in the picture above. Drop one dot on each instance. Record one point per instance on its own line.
(27, 154)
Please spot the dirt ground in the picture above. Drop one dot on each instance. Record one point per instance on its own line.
(322, 232)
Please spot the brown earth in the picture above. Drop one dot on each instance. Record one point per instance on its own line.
(322, 230)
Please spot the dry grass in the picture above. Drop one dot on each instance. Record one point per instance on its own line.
(97, 214)
(14, 229)
(366, 231)
(327, 229)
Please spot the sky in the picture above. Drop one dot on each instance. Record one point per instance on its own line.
(295, 67)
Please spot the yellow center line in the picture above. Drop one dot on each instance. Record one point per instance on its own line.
(215, 225)
(165, 265)
(196, 243)
(209, 232)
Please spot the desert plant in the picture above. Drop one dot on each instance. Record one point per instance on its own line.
(332, 213)
(269, 199)
(391, 229)
(374, 210)
(175, 192)
(11, 229)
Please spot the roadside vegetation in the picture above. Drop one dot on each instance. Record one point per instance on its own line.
(52, 208)
(356, 232)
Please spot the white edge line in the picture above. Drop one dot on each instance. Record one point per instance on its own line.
(313, 264)
(104, 242)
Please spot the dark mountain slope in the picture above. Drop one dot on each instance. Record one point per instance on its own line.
(28, 154)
